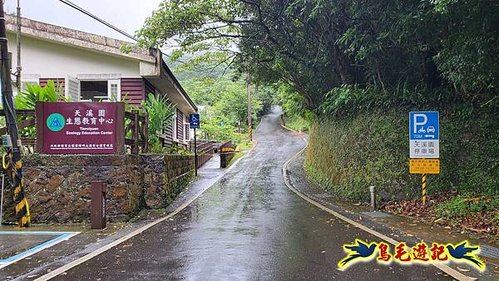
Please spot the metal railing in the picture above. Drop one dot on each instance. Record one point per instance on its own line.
(205, 150)
(26, 124)
(136, 132)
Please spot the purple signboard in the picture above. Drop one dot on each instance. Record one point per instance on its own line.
(80, 127)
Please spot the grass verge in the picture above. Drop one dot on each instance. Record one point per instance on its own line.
(297, 123)
(475, 215)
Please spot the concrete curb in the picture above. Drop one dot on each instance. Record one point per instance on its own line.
(58, 271)
(443, 267)
(288, 128)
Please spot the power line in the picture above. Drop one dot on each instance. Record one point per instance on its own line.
(78, 8)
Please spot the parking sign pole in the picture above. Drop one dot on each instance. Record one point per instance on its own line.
(194, 123)
(423, 185)
(424, 146)
(195, 154)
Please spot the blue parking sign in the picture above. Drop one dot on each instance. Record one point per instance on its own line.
(423, 125)
(424, 135)
(194, 121)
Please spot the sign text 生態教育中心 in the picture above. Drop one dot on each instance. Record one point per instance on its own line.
(80, 127)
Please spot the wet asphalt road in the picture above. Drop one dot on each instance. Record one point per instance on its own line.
(248, 226)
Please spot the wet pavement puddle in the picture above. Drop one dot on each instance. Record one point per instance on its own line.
(17, 245)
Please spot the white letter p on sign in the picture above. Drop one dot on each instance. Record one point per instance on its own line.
(419, 123)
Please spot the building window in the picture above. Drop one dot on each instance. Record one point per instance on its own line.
(93, 90)
(114, 90)
(174, 126)
(180, 125)
(25, 79)
(186, 132)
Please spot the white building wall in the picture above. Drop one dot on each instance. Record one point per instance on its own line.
(50, 60)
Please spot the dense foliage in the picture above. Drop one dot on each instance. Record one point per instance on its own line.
(223, 104)
(159, 112)
(359, 66)
(348, 154)
(34, 93)
(403, 48)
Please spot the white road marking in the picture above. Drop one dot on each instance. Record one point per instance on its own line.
(64, 268)
(443, 267)
(115, 243)
(59, 237)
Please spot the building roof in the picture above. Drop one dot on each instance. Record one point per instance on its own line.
(96, 43)
(186, 96)
(76, 38)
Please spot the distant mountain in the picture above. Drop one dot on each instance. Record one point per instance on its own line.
(205, 70)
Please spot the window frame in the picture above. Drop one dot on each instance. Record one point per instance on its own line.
(111, 79)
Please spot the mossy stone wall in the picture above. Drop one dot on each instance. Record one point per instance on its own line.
(348, 154)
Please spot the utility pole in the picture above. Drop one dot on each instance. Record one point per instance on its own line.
(15, 169)
(248, 92)
(19, 68)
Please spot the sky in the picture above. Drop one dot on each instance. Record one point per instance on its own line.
(128, 15)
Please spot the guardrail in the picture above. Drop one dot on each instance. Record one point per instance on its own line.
(136, 132)
(205, 150)
(26, 121)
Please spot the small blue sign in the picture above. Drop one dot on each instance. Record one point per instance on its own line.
(194, 121)
(424, 125)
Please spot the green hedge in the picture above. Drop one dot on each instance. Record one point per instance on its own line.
(348, 154)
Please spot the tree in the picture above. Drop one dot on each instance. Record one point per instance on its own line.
(319, 46)
(224, 104)
(273, 42)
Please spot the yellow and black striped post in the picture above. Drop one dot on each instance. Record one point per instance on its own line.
(23, 215)
(15, 165)
(423, 185)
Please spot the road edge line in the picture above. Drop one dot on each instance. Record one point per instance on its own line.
(61, 236)
(56, 272)
(443, 267)
(281, 120)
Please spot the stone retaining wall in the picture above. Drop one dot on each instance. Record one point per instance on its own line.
(227, 153)
(58, 186)
(163, 175)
